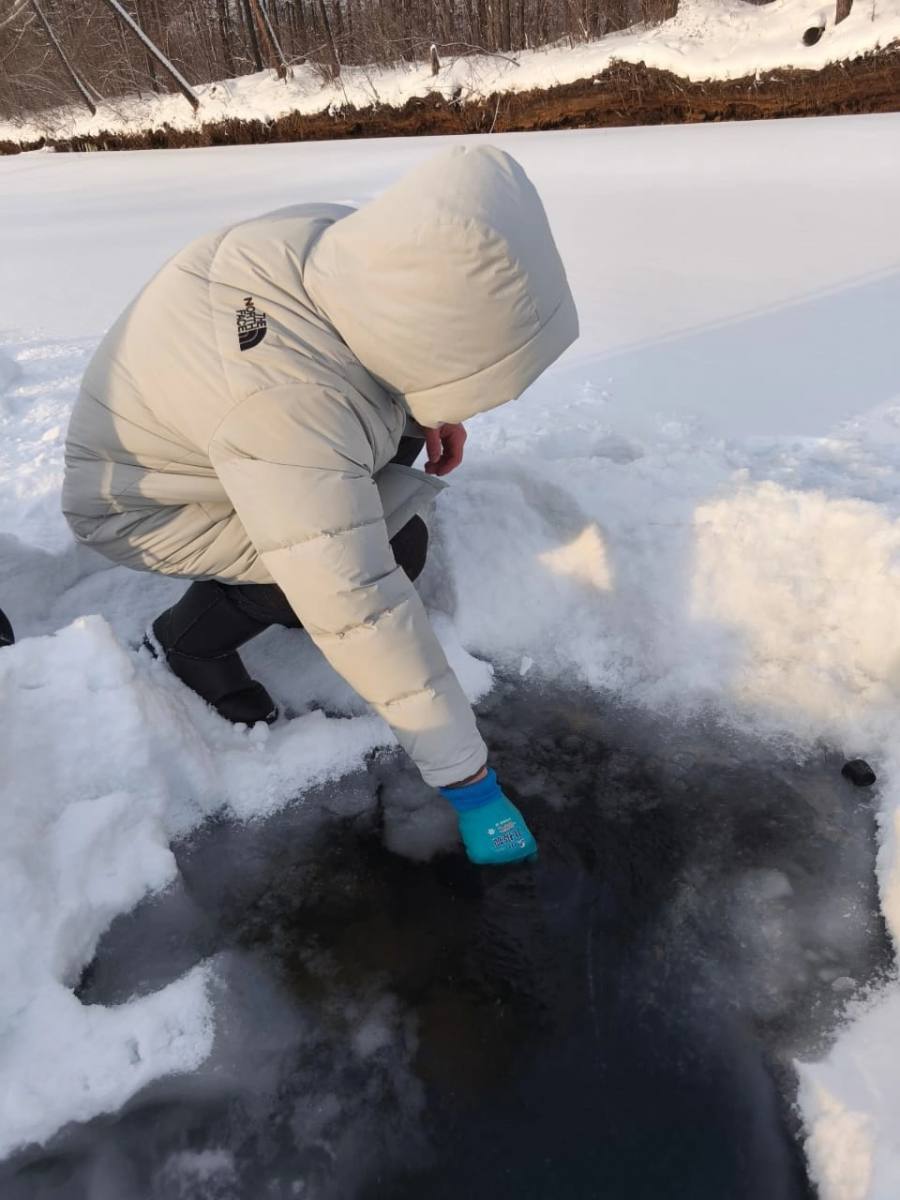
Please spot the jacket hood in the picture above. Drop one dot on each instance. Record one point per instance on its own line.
(448, 288)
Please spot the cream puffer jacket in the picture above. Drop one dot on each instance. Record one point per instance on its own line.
(238, 420)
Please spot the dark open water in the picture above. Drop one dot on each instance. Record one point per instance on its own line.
(615, 1022)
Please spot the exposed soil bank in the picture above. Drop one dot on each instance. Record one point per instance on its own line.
(625, 94)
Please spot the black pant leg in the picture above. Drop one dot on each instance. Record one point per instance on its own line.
(410, 547)
(267, 602)
(408, 451)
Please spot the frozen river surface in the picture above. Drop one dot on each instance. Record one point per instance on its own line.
(617, 1021)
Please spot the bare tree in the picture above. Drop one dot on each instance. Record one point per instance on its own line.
(177, 78)
(17, 9)
(505, 31)
(250, 26)
(61, 54)
(226, 33)
(126, 46)
(267, 40)
(330, 42)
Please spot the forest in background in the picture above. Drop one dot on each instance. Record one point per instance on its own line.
(55, 52)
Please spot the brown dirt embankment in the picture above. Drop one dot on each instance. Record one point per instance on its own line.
(624, 94)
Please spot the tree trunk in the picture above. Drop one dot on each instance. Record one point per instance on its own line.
(617, 15)
(329, 39)
(350, 42)
(177, 78)
(505, 26)
(127, 64)
(144, 17)
(301, 25)
(472, 33)
(267, 40)
(338, 27)
(251, 33)
(70, 70)
(483, 34)
(201, 14)
(226, 36)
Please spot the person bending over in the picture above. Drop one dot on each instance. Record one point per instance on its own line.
(250, 421)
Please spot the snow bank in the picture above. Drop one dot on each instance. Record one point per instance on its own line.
(107, 759)
(79, 846)
(707, 39)
(110, 759)
(850, 1103)
(697, 507)
(108, 764)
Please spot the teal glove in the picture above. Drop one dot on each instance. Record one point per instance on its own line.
(491, 827)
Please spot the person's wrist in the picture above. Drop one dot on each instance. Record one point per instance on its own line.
(476, 778)
(482, 790)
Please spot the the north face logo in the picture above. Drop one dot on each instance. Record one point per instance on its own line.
(251, 325)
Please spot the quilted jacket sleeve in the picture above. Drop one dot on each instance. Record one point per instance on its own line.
(297, 465)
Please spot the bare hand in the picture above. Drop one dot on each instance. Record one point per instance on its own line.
(444, 447)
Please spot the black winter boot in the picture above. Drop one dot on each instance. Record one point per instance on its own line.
(199, 637)
(7, 637)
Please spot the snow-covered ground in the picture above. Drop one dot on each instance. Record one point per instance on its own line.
(707, 39)
(699, 506)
